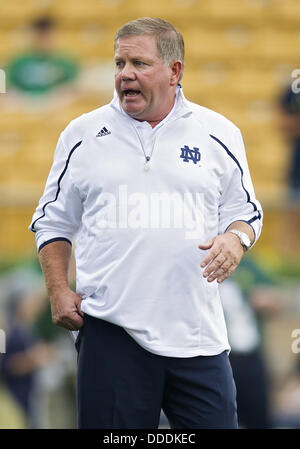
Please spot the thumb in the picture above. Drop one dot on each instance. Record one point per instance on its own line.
(78, 306)
(207, 244)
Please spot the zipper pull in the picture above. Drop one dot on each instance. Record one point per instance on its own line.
(147, 163)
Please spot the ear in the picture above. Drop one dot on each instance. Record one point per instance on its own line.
(176, 68)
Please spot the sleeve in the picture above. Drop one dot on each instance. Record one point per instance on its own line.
(238, 201)
(58, 214)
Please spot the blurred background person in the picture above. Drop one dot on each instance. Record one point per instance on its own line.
(242, 301)
(25, 352)
(289, 121)
(41, 68)
(41, 74)
(288, 402)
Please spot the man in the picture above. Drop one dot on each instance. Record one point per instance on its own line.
(152, 331)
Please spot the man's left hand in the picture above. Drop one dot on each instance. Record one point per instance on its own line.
(224, 255)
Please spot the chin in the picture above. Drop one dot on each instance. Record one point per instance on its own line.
(133, 113)
(133, 110)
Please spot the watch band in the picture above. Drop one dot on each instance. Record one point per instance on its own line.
(244, 239)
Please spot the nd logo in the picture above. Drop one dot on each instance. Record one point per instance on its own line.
(188, 154)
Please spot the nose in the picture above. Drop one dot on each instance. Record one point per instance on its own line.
(128, 72)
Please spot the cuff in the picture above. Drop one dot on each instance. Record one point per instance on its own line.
(55, 239)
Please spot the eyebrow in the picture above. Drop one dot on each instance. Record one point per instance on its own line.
(135, 58)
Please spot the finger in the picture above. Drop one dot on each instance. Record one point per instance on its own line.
(66, 324)
(76, 321)
(214, 265)
(220, 271)
(210, 256)
(206, 245)
(227, 274)
(78, 310)
(73, 322)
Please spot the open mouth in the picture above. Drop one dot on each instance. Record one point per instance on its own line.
(131, 92)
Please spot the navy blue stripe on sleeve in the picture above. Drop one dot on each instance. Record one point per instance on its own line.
(253, 219)
(56, 239)
(58, 185)
(258, 217)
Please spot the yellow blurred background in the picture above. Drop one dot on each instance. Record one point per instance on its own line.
(239, 56)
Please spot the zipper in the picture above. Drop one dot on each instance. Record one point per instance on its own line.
(147, 163)
(147, 158)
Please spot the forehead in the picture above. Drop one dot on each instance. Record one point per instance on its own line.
(144, 45)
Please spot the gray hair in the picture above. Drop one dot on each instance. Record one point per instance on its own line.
(169, 40)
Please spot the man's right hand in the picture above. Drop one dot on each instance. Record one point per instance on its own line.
(65, 308)
(65, 304)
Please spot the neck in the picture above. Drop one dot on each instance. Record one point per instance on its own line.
(153, 123)
(156, 122)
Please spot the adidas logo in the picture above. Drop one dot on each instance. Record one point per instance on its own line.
(104, 132)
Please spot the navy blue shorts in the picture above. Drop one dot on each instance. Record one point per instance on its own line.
(120, 385)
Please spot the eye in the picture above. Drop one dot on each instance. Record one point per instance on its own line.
(139, 63)
(119, 64)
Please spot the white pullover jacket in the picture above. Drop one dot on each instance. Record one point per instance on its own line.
(137, 230)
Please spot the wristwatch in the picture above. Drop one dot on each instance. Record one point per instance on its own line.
(244, 239)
